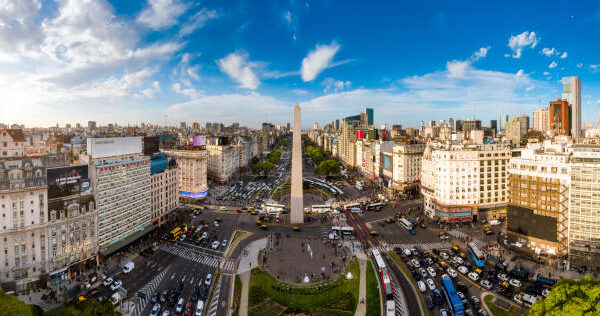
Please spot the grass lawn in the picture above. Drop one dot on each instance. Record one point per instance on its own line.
(237, 295)
(373, 298)
(497, 311)
(404, 269)
(339, 297)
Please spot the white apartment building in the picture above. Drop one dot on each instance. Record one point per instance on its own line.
(23, 230)
(406, 166)
(163, 188)
(464, 183)
(223, 162)
(192, 169)
(120, 178)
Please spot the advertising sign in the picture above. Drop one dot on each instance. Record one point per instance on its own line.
(68, 181)
(199, 140)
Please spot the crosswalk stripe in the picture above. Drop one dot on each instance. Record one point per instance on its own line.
(199, 257)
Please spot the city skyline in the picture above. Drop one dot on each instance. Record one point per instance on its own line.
(170, 61)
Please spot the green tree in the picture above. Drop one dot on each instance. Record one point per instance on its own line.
(327, 168)
(275, 156)
(10, 305)
(570, 297)
(264, 167)
(87, 307)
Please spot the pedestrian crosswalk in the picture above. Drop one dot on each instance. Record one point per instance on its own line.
(457, 234)
(480, 243)
(214, 304)
(148, 289)
(424, 246)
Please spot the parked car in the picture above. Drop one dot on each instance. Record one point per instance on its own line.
(502, 277)
(128, 267)
(422, 287)
(199, 308)
(208, 280)
(154, 298)
(179, 307)
(429, 302)
(163, 297)
(476, 302)
(422, 272)
(215, 244)
(415, 263)
(458, 260)
(431, 271)
(224, 243)
(107, 281)
(444, 255)
(462, 297)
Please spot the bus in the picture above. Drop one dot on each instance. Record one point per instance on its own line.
(343, 230)
(454, 302)
(175, 233)
(375, 207)
(390, 308)
(378, 259)
(349, 207)
(272, 208)
(545, 281)
(321, 208)
(407, 225)
(388, 290)
(477, 255)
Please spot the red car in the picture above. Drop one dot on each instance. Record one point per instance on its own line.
(188, 309)
(213, 232)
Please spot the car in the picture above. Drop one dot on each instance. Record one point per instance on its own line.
(482, 312)
(415, 263)
(166, 312)
(444, 255)
(204, 235)
(438, 297)
(128, 267)
(154, 298)
(422, 286)
(163, 297)
(222, 208)
(518, 299)
(476, 302)
(116, 285)
(443, 312)
(445, 276)
(224, 243)
(188, 309)
(195, 293)
(502, 277)
(463, 269)
(215, 244)
(444, 237)
(431, 271)
(458, 260)
(429, 302)
(515, 282)
(199, 308)
(473, 276)
(545, 292)
(452, 272)
(155, 309)
(216, 224)
(208, 280)
(486, 284)
(108, 281)
(431, 284)
(462, 297)
(179, 307)
(422, 273)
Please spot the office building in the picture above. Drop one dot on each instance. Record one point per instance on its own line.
(464, 183)
(514, 131)
(470, 125)
(91, 125)
(163, 188)
(120, 180)
(192, 171)
(560, 117)
(503, 120)
(541, 119)
(572, 93)
(494, 126)
(223, 161)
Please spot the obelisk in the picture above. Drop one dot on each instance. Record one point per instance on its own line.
(297, 199)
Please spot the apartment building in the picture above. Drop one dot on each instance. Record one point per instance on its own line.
(406, 166)
(223, 162)
(192, 171)
(464, 183)
(12, 143)
(163, 188)
(120, 178)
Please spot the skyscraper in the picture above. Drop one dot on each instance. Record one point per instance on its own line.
(541, 119)
(494, 125)
(560, 117)
(572, 93)
(369, 116)
(503, 121)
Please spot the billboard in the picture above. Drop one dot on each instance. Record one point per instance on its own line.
(525, 222)
(68, 181)
(199, 140)
(114, 146)
(387, 162)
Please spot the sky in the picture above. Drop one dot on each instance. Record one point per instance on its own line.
(171, 61)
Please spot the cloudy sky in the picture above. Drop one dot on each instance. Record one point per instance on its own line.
(168, 61)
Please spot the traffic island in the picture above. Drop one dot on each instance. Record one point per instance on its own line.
(497, 306)
(269, 296)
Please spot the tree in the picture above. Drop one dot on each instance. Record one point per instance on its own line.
(274, 156)
(327, 168)
(570, 297)
(10, 305)
(87, 307)
(263, 167)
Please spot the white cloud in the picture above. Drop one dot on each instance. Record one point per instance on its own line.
(19, 34)
(549, 51)
(457, 69)
(481, 53)
(564, 55)
(188, 91)
(552, 65)
(237, 66)
(150, 92)
(335, 86)
(300, 91)
(197, 21)
(520, 74)
(546, 73)
(530, 88)
(318, 60)
(287, 16)
(161, 14)
(519, 42)
(193, 72)
(595, 68)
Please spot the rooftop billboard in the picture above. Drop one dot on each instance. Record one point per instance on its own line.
(67, 181)
(114, 146)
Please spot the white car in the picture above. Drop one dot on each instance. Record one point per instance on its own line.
(415, 263)
(422, 272)
(431, 271)
(473, 276)
(486, 284)
(179, 307)
(444, 255)
(502, 277)
(224, 243)
(463, 270)
(458, 260)
(518, 299)
(422, 287)
(515, 282)
(204, 234)
(116, 285)
(107, 281)
(155, 309)
(452, 272)
(431, 284)
(545, 292)
(215, 244)
(445, 276)
(407, 252)
(216, 224)
(222, 208)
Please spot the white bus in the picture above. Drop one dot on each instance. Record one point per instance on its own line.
(406, 224)
(272, 208)
(352, 206)
(343, 230)
(321, 208)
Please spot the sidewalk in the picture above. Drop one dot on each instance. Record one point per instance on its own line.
(249, 258)
(361, 308)
(245, 278)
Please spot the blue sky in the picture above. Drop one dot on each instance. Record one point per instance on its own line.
(168, 61)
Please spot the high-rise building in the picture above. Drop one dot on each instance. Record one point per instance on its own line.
(514, 131)
(406, 167)
(503, 121)
(458, 125)
(541, 119)
(164, 189)
(560, 117)
(337, 125)
(523, 123)
(494, 125)
(470, 125)
(572, 93)
(91, 124)
(369, 116)
(192, 168)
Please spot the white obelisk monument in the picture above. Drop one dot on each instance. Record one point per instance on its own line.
(297, 199)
